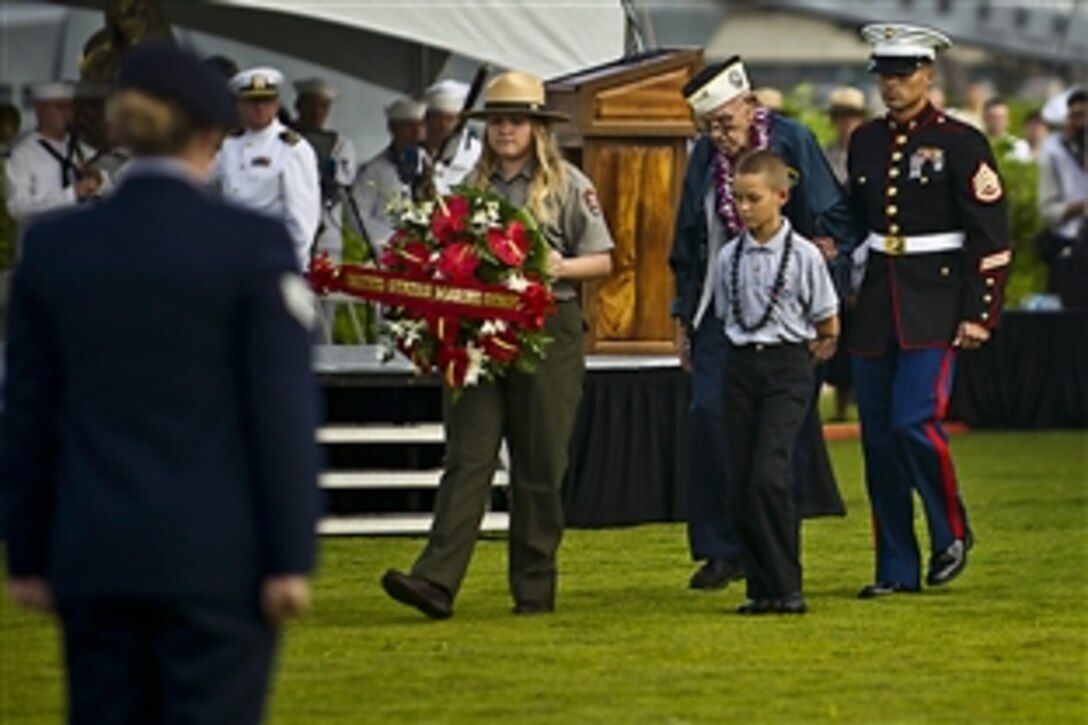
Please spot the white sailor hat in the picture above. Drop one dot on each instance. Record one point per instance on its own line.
(900, 49)
(405, 109)
(53, 91)
(316, 87)
(257, 83)
(717, 84)
(446, 96)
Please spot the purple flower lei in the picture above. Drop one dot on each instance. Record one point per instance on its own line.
(760, 138)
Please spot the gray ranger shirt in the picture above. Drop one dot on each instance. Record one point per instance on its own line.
(579, 229)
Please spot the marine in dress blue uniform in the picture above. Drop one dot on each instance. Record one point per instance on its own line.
(163, 467)
(926, 188)
(817, 208)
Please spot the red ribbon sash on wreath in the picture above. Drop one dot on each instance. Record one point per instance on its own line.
(471, 300)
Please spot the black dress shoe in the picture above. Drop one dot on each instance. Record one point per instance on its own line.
(884, 589)
(755, 606)
(426, 596)
(716, 574)
(948, 564)
(530, 608)
(792, 604)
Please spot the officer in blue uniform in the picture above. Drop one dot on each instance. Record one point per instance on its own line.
(926, 188)
(721, 100)
(160, 414)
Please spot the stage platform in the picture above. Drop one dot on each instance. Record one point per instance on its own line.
(383, 441)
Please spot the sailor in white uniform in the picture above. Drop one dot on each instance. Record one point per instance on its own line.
(46, 169)
(389, 175)
(267, 166)
(453, 153)
(336, 160)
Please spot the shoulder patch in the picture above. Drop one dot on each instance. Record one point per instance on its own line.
(298, 299)
(589, 197)
(986, 184)
(291, 138)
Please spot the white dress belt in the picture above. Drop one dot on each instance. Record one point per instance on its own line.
(894, 244)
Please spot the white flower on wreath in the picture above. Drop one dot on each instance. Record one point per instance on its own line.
(493, 327)
(492, 211)
(475, 365)
(517, 283)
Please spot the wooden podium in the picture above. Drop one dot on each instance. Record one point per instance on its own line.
(629, 132)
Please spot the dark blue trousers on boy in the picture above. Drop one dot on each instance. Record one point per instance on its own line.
(902, 397)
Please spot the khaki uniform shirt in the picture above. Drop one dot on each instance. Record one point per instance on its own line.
(579, 229)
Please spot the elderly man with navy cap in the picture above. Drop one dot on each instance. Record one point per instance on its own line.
(269, 167)
(162, 468)
(734, 123)
(929, 197)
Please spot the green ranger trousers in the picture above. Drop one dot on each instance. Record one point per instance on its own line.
(535, 414)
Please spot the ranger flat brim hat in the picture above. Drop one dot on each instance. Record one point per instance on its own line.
(846, 100)
(900, 49)
(516, 93)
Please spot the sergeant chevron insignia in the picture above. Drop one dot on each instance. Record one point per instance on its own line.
(986, 184)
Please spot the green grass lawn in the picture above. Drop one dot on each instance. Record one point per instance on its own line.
(1008, 641)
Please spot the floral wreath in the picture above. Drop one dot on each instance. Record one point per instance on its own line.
(466, 286)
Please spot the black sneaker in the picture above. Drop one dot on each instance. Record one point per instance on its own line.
(792, 604)
(426, 596)
(884, 589)
(948, 564)
(716, 574)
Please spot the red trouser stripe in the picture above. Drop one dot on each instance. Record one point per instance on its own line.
(948, 480)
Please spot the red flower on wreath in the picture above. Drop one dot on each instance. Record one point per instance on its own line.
(458, 262)
(502, 347)
(453, 364)
(450, 219)
(537, 303)
(444, 328)
(417, 258)
(510, 245)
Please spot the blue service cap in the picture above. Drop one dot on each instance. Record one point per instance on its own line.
(172, 74)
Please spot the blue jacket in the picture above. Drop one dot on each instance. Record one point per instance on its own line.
(817, 207)
(160, 405)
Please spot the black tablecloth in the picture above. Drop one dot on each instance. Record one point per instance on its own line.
(1032, 374)
(628, 450)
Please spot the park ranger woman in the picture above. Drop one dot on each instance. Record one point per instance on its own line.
(533, 412)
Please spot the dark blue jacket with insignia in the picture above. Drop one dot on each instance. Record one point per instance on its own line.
(930, 175)
(160, 405)
(817, 207)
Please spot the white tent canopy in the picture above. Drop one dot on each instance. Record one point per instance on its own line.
(402, 44)
(543, 37)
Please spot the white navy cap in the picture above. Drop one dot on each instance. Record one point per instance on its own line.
(316, 87)
(446, 96)
(717, 84)
(53, 91)
(405, 109)
(900, 49)
(257, 83)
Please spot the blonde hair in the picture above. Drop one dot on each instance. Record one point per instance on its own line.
(149, 125)
(768, 163)
(548, 186)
